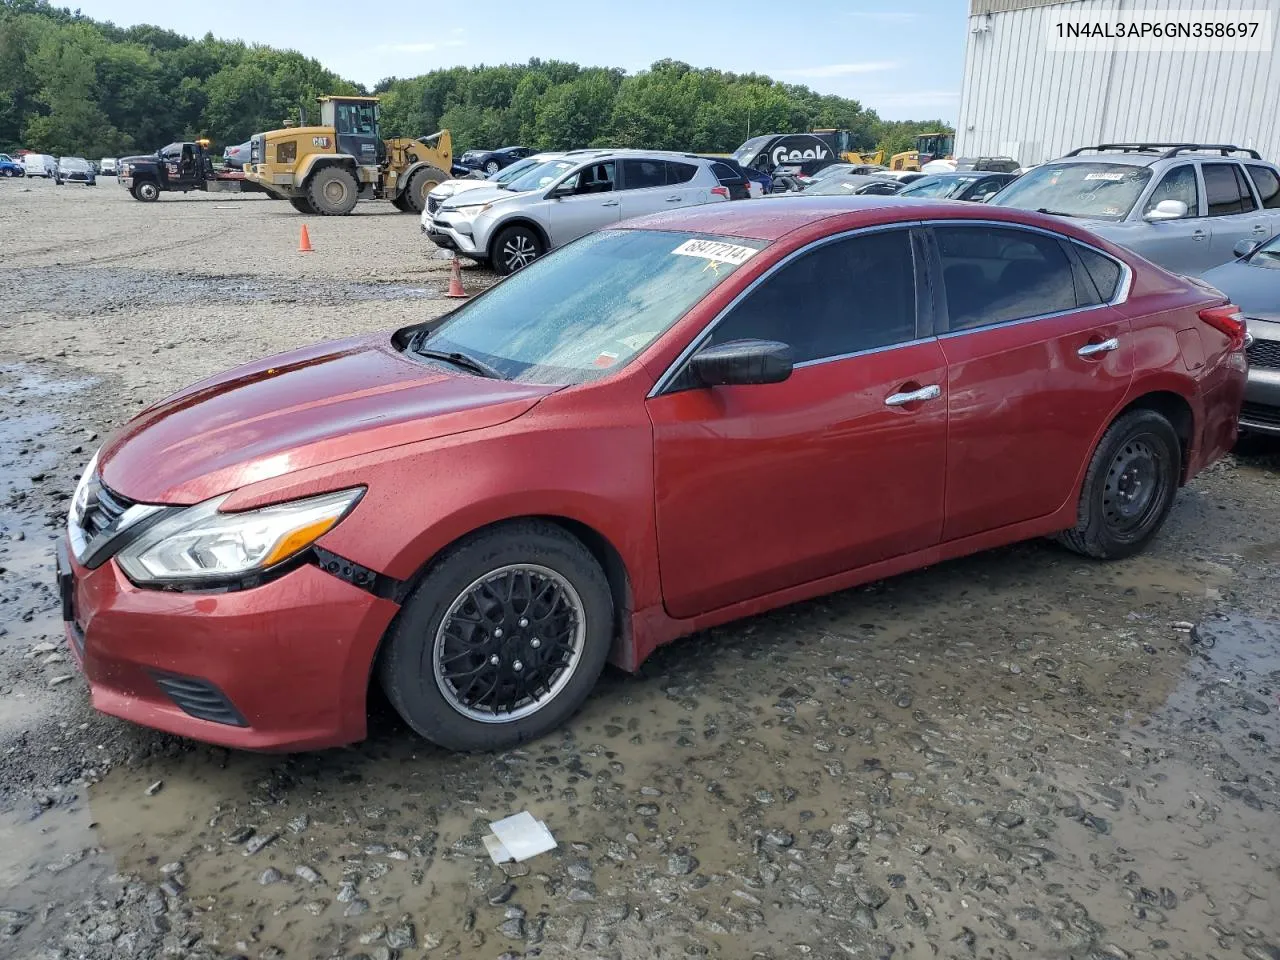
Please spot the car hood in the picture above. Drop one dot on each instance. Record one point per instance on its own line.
(487, 194)
(298, 410)
(1254, 289)
(460, 185)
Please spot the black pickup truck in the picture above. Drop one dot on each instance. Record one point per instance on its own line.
(179, 166)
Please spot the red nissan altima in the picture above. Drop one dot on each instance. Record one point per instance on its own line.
(661, 427)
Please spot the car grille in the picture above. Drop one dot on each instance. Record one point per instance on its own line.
(1264, 353)
(432, 205)
(199, 699)
(1260, 414)
(104, 509)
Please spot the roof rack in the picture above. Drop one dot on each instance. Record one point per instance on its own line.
(1167, 150)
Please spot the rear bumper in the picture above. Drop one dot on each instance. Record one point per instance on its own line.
(283, 666)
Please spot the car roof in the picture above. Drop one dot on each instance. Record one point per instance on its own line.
(1128, 159)
(772, 220)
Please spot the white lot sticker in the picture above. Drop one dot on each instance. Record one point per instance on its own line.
(637, 340)
(716, 250)
(1104, 176)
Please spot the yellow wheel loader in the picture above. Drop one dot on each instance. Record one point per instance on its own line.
(326, 169)
(929, 146)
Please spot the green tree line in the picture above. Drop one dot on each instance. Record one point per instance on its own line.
(73, 85)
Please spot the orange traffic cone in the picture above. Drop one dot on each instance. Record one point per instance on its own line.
(455, 282)
(304, 242)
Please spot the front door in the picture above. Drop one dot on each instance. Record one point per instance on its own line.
(1232, 209)
(593, 204)
(759, 488)
(1180, 245)
(1036, 363)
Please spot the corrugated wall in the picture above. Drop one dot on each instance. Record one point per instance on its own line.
(1018, 98)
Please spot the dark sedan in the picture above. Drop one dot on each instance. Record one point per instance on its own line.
(974, 185)
(1253, 282)
(491, 161)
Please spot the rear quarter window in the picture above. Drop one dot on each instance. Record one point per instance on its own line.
(1102, 270)
(1267, 183)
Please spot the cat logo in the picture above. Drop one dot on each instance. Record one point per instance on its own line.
(320, 141)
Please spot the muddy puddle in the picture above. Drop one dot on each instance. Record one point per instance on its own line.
(950, 762)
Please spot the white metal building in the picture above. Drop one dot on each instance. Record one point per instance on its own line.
(1023, 100)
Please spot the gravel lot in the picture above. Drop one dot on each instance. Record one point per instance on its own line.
(1018, 754)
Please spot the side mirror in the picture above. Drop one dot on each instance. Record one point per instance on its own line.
(1245, 248)
(564, 190)
(1167, 210)
(742, 362)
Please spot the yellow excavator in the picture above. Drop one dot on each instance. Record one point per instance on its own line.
(852, 156)
(929, 146)
(324, 170)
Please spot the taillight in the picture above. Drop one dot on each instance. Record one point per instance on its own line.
(720, 192)
(1229, 320)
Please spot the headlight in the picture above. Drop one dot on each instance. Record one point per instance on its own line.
(80, 502)
(200, 545)
(471, 210)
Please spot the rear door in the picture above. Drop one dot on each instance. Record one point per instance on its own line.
(759, 488)
(1036, 362)
(690, 183)
(1234, 211)
(644, 187)
(592, 205)
(1180, 245)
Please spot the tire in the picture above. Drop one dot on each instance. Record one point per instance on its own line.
(515, 248)
(427, 642)
(401, 203)
(146, 191)
(492, 167)
(333, 192)
(421, 183)
(1129, 488)
(301, 204)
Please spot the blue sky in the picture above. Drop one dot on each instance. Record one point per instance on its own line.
(903, 59)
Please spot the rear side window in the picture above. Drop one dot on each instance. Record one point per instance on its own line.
(1102, 270)
(994, 275)
(680, 172)
(724, 173)
(1267, 184)
(639, 174)
(1225, 188)
(1178, 184)
(849, 295)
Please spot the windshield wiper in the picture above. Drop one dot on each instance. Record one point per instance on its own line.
(1055, 213)
(460, 360)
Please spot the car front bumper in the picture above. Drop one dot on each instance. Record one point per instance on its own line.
(444, 234)
(281, 666)
(1261, 411)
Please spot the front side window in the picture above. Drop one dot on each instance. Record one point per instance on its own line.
(994, 275)
(640, 174)
(1267, 184)
(848, 295)
(1226, 190)
(983, 190)
(585, 310)
(1099, 191)
(1178, 184)
(594, 178)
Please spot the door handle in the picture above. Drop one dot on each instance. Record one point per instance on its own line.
(609, 203)
(931, 392)
(1094, 349)
(673, 199)
(1259, 228)
(1198, 235)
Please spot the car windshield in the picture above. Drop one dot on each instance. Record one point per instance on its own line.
(540, 176)
(935, 187)
(73, 163)
(832, 171)
(1102, 191)
(515, 170)
(836, 186)
(1267, 255)
(585, 310)
(746, 153)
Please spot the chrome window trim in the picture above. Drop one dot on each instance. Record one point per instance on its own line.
(863, 353)
(674, 368)
(1120, 296)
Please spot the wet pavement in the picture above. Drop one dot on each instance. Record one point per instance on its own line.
(1018, 754)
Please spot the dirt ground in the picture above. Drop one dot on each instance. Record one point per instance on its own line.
(1018, 754)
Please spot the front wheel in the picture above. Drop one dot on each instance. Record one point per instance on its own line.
(1129, 488)
(502, 641)
(333, 192)
(492, 167)
(514, 248)
(146, 191)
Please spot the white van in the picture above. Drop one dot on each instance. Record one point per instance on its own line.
(40, 165)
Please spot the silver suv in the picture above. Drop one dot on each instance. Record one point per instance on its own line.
(512, 225)
(1184, 206)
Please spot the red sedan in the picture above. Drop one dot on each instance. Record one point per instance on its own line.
(689, 419)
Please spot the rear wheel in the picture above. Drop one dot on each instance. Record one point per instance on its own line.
(420, 184)
(301, 204)
(492, 167)
(146, 191)
(401, 203)
(514, 248)
(1129, 488)
(502, 641)
(333, 192)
